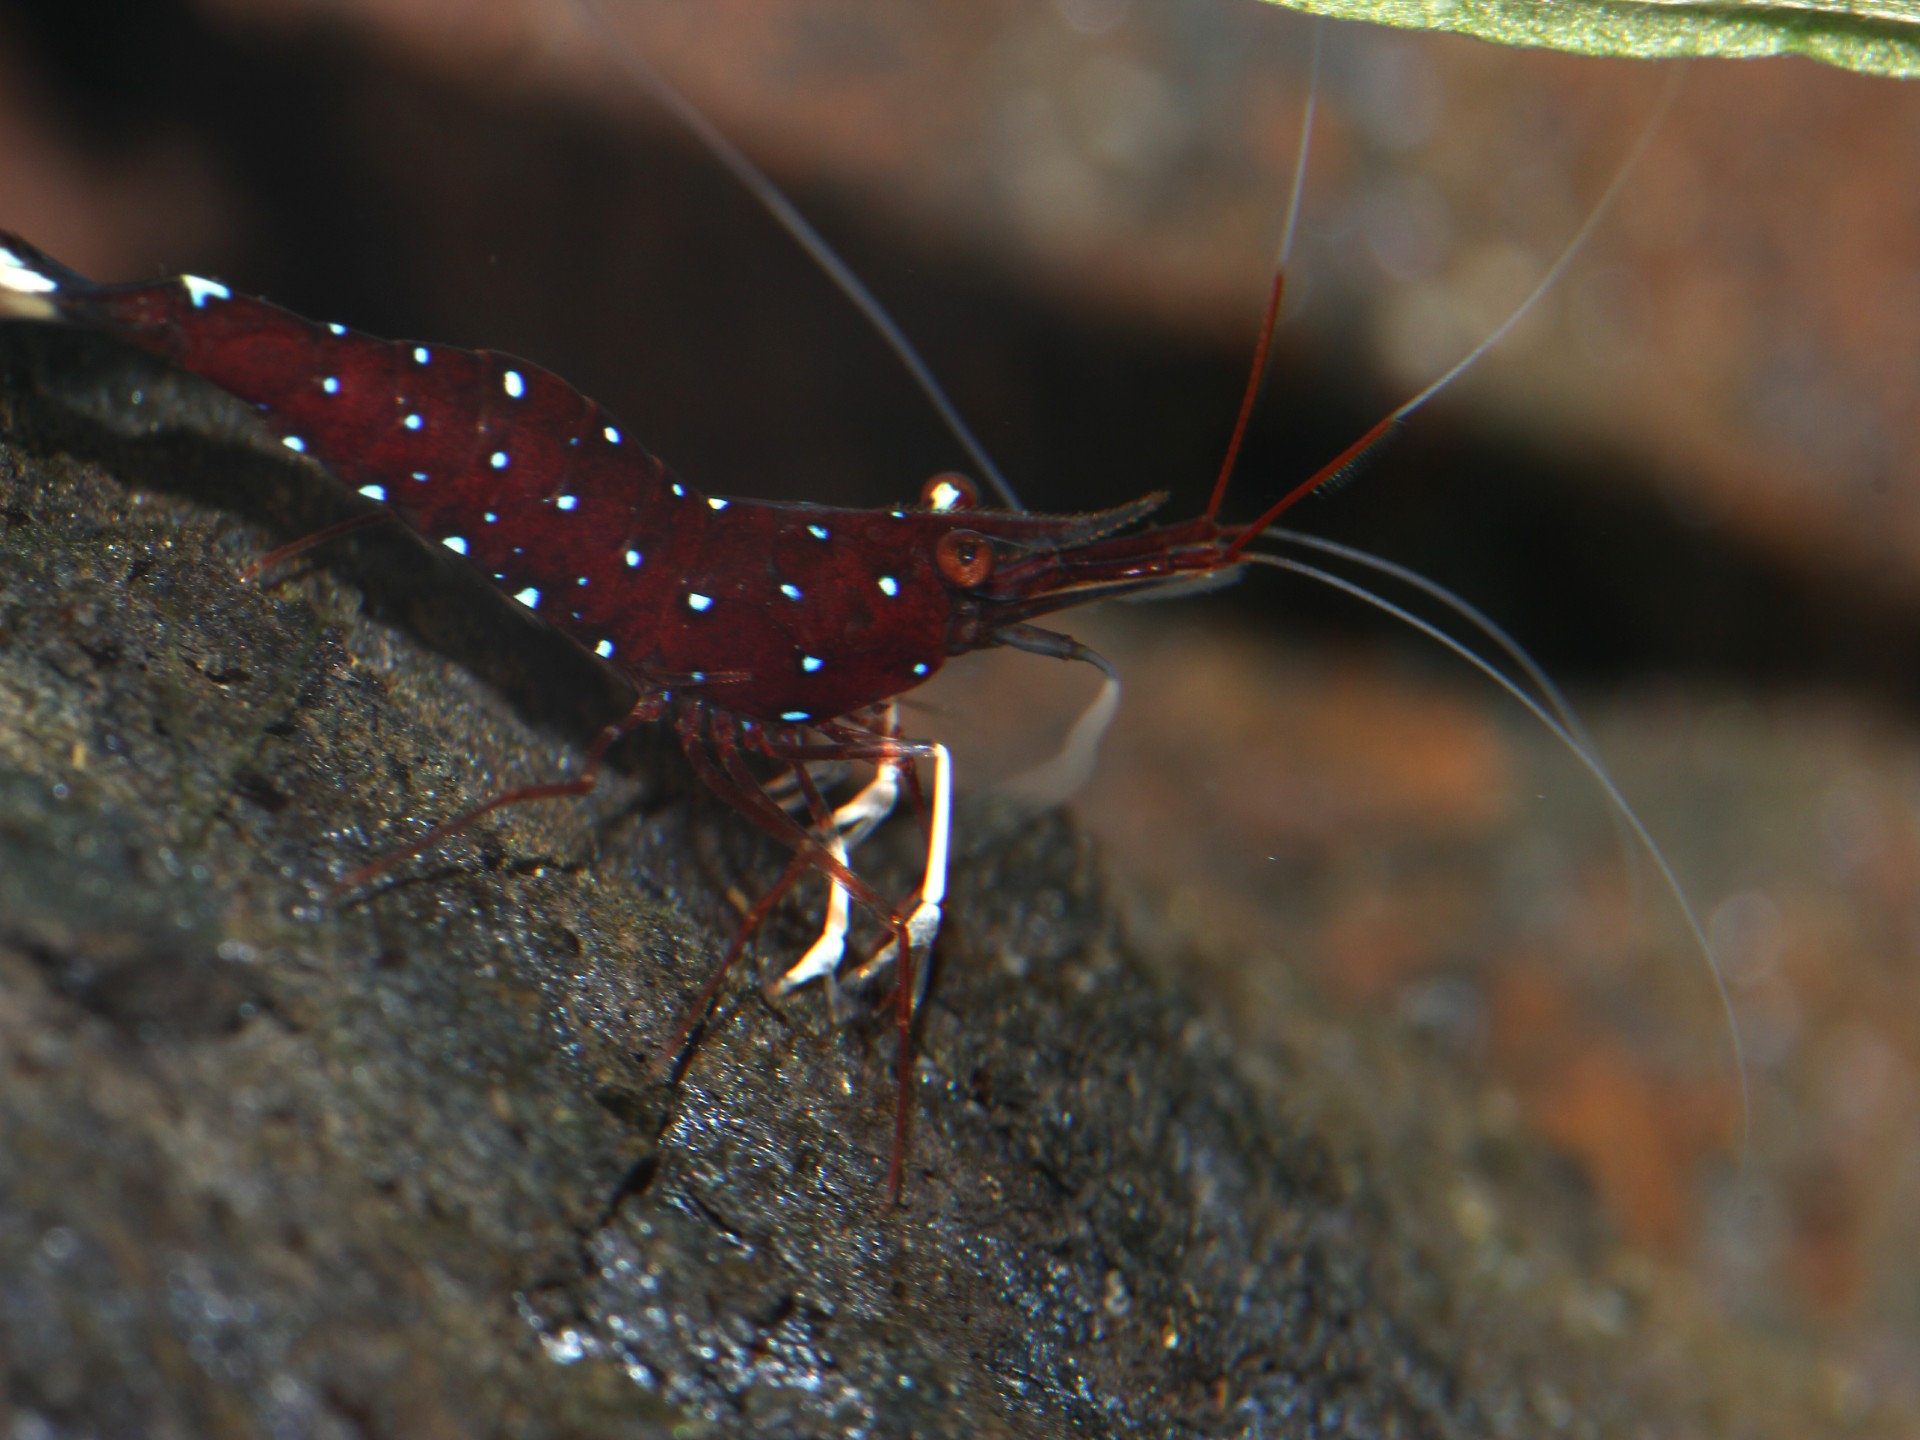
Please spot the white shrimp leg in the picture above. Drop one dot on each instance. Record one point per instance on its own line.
(823, 957)
(851, 824)
(924, 924)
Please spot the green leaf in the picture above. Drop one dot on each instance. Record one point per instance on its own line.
(1881, 38)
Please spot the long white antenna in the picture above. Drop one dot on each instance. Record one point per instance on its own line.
(789, 218)
(1460, 605)
(1662, 108)
(1536, 674)
(1601, 778)
(1306, 140)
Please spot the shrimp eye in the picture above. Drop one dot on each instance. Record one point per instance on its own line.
(949, 491)
(964, 557)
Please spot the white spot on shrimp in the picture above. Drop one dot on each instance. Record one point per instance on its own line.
(295, 443)
(946, 495)
(634, 557)
(921, 668)
(613, 435)
(420, 475)
(898, 514)
(792, 592)
(413, 422)
(513, 384)
(421, 355)
(889, 586)
(374, 492)
(491, 518)
(529, 597)
(811, 663)
(566, 502)
(716, 504)
(582, 580)
(604, 649)
(819, 532)
(680, 491)
(498, 459)
(200, 290)
(17, 275)
(337, 329)
(700, 602)
(794, 715)
(331, 384)
(456, 544)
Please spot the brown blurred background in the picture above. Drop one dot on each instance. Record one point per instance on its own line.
(1691, 482)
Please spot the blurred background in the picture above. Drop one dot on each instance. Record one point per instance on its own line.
(1690, 482)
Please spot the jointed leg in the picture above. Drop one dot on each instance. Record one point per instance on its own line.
(318, 537)
(923, 925)
(713, 741)
(850, 824)
(674, 1058)
(912, 943)
(647, 709)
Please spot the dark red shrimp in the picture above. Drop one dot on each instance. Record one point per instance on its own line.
(778, 631)
(783, 631)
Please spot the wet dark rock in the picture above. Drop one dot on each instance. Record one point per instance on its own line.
(278, 1160)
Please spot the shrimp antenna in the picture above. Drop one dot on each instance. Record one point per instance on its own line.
(1058, 779)
(1270, 317)
(1615, 799)
(1549, 693)
(788, 217)
(1382, 428)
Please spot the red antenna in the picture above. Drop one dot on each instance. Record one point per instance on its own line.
(1381, 428)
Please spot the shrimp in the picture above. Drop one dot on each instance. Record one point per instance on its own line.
(773, 637)
(781, 631)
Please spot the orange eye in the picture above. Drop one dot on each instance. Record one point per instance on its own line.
(951, 491)
(964, 557)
